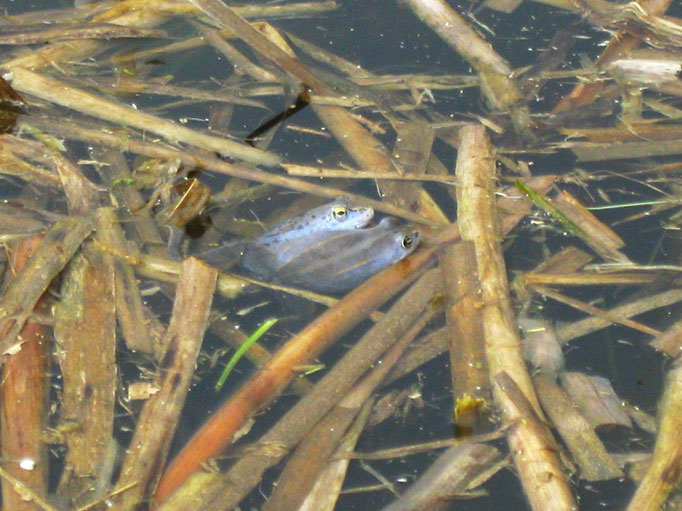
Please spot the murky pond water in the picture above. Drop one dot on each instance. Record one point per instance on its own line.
(143, 115)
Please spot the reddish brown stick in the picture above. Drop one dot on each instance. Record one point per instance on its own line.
(23, 403)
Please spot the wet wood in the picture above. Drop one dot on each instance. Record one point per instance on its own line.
(414, 141)
(541, 476)
(586, 448)
(596, 234)
(457, 471)
(61, 93)
(466, 339)
(85, 330)
(23, 395)
(663, 474)
(624, 109)
(15, 152)
(156, 424)
(365, 149)
(309, 171)
(22, 293)
(349, 309)
(596, 312)
(34, 34)
(476, 172)
(640, 306)
(132, 315)
(315, 450)
(329, 484)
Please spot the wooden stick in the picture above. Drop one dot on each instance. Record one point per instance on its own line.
(663, 475)
(61, 93)
(85, 330)
(155, 427)
(535, 457)
(23, 402)
(22, 293)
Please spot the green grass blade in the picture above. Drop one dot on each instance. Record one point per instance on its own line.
(267, 324)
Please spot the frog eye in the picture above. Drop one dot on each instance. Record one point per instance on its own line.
(407, 241)
(339, 213)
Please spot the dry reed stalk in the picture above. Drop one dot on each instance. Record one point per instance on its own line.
(130, 86)
(588, 151)
(596, 311)
(541, 472)
(239, 61)
(292, 10)
(315, 449)
(598, 235)
(328, 486)
(633, 132)
(619, 278)
(539, 469)
(585, 93)
(479, 224)
(81, 194)
(57, 15)
(193, 160)
(27, 494)
(20, 296)
(61, 93)
(410, 450)
(273, 377)
(139, 13)
(567, 260)
(228, 18)
(248, 11)
(15, 151)
(515, 208)
(595, 463)
(663, 474)
(44, 33)
(494, 72)
(411, 154)
(309, 171)
(19, 224)
(421, 352)
(466, 339)
(585, 326)
(165, 270)
(157, 422)
(457, 471)
(23, 399)
(131, 313)
(85, 331)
